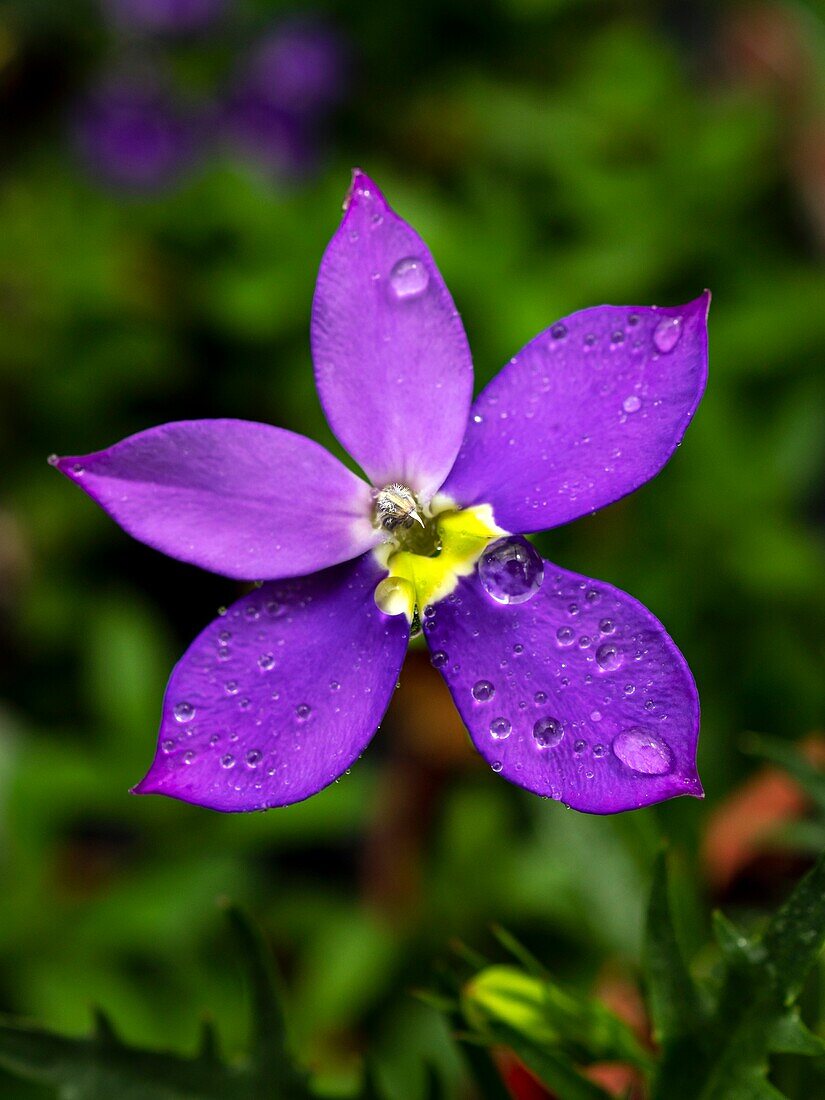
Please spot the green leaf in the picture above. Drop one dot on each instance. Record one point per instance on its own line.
(722, 1051)
(552, 1069)
(675, 1004)
(103, 1066)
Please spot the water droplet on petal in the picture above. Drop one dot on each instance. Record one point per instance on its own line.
(483, 691)
(496, 766)
(303, 711)
(511, 570)
(266, 662)
(558, 331)
(667, 334)
(439, 659)
(606, 626)
(409, 278)
(500, 729)
(189, 757)
(167, 745)
(631, 404)
(395, 596)
(253, 758)
(642, 752)
(548, 732)
(540, 698)
(565, 635)
(609, 657)
(228, 761)
(53, 460)
(184, 712)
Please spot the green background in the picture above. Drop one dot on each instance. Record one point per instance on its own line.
(554, 155)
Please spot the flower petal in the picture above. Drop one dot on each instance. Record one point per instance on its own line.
(577, 694)
(246, 500)
(392, 363)
(584, 414)
(277, 698)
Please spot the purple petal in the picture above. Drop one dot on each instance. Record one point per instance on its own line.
(392, 363)
(277, 698)
(577, 694)
(246, 500)
(584, 414)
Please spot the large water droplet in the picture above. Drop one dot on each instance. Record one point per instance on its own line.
(640, 751)
(483, 691)
(409, 278)
(500, 729)
(609, 657)
(667, 334)
(184, 712)
(511, 570)
(395, 596)
(548, 732)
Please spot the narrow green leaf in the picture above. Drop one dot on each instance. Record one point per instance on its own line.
(674, 1000)
(552, 1069)
(519, 952)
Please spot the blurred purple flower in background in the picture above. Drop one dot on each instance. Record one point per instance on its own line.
(164, 16)
(568, 686)
(283, 94)
(133, 134)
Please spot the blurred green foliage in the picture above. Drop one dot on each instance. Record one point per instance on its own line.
(554, 154)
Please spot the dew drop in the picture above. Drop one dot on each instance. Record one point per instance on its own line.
(395, 596)
(642, 752)
(167, 745)
(548, 732)
(500, 729)
(409, 278)
(266, 662)
(609, 657)
(439, 659)
(53, 460)
(511, 570)
(231, 687)
(228, 761)
(334, 685)
(189, 757)
(496, 766)
(253, 758)
(184, 712)
(558, 331)
(631, 404)
(565, 635)
(579, 746)
(599, 751)
(483, 691)
(78, 470)
(540, 698)
(303, 711)
(667, 334)
(606, 626)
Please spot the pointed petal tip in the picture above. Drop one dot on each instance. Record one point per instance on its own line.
(361, 187)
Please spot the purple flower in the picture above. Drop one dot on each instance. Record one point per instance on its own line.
(567, 686)
(133, 135)
(294, 77)
(165, 16)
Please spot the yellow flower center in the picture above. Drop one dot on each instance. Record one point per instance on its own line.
(426, 568)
